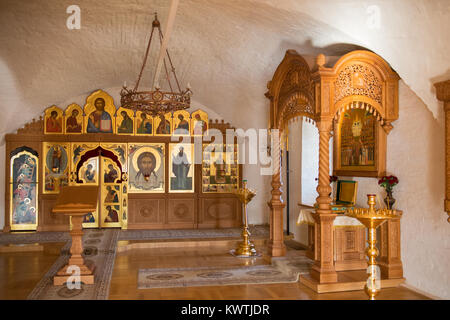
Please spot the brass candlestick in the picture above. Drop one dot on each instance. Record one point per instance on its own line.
(372, 218)
(246, 248)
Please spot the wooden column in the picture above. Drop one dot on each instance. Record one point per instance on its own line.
(323, 269)
(390, 261)
(443, 94)
(86, 274)
(276, 243)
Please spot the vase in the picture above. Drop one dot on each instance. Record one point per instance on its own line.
(389, 200)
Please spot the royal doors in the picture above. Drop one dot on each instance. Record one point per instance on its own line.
(103, 165)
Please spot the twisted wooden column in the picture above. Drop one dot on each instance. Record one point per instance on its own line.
(276, 243)
(323, 269)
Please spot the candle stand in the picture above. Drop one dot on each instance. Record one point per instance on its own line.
(372, 218)
(246, 248)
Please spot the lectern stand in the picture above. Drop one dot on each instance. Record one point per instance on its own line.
(76, 201)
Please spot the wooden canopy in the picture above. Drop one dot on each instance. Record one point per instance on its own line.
(358, 79)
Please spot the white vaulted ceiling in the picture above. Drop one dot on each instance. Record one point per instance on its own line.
(226, 49)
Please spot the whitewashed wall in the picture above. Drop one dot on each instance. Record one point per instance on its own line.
(310, 162)
(295, 173)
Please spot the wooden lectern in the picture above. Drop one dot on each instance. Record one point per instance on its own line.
(76, 201)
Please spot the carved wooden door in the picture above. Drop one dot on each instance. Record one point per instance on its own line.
(95, 165)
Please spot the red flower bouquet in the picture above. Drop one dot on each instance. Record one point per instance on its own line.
(388, 182)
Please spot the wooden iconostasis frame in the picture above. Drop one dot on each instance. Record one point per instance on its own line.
(161, 209)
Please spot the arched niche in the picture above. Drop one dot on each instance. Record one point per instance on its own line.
(291, 95)
(358, 77)
(290, 91)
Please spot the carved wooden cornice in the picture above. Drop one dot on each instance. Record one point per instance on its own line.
(291, 91)
(35, 127)
(443, 90)
(222, 126)
(344, 87)
(359, 76)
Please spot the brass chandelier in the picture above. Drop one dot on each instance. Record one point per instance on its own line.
(157, 102)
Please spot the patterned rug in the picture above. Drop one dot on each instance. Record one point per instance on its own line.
(256, 231)
(282, 270)
(99, 249)
(63, 236)
(33, 237)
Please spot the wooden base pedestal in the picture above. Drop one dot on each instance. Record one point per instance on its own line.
(350, 265)
(347, 281)
(277, 249)
(390, 262)
(86, 275)
(391, 270)
(323, 276)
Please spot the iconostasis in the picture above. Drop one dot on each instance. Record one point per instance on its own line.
(147, 180)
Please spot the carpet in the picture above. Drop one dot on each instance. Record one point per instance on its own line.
(283, 270)
(99, 249)
(33, 237)
(63, 236)
(256, 231)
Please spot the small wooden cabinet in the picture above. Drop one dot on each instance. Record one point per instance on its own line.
(349, 247)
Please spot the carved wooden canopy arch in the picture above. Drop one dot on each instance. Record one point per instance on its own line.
(290, 91)
(360, 79)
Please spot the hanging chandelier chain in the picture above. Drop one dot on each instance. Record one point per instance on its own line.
(171, 64)
(145, 60)
(173, 71)
(167, 75)
(165, 64)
